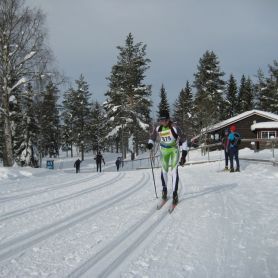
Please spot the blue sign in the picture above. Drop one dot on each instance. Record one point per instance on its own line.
(50, 164)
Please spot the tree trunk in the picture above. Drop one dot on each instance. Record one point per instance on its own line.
(7, 146)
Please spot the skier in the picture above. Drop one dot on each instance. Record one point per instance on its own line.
(99, 159)
(225, 143)
(77, 165)
(234, 141)
(118, 162)
(170, 140)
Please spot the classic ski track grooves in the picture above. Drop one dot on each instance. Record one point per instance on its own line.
(121, 247)
(17, 245)
(21, 211)
(34, 193)
(24, 189)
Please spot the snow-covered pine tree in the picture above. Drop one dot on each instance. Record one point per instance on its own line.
(67, 125)
(21, 46)
(267, 89)
(163, 103)
(98, 127)
(246, 95)
(230, 101)
(27, 131)
(77, 114)
(261, 99)
(1, 134)
(183, 108)
(128, 104)
(82, 119)
(208, 102)
(49, 121)
(272, 84)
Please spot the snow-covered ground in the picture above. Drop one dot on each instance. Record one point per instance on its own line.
(55, 223)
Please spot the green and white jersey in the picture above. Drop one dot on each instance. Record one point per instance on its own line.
(170, 137)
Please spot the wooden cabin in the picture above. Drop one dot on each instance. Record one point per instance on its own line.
(250, 124)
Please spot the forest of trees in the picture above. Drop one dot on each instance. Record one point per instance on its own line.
(37, 119)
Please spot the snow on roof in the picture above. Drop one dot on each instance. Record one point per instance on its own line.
(266, 125)
(239, 117)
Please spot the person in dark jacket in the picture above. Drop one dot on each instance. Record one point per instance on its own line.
(225, 144)
(118, 163)
(77, 165)
(99, 159)
(234, 140)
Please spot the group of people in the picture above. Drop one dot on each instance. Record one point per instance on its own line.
(231, 141)
(99, 159)
(172, 139)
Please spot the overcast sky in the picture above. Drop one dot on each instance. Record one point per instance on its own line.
(84, 34)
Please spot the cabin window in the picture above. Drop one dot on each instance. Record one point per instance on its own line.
(268, 134)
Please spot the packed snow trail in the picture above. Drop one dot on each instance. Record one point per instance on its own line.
(110, 258)
(225, 225)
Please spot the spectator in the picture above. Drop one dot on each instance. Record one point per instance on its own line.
(99, 159)
(118, 163)
(234, 141)
(77, 165)
(225, 144)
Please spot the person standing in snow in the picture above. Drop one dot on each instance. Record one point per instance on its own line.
(234, 140)
(77, 165)
(99, 159)
(225, 144)
(118, 162)
(170, 142)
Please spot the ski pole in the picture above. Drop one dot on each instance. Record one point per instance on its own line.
(153, 177)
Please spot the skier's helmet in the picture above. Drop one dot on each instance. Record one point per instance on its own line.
(164, 115)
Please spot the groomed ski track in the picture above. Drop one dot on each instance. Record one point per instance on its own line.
(27, 240)
(114, 253)
(106, 261)
(107, 225)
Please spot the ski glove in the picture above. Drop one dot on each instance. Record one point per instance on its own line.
(149, 146)
(183, 160)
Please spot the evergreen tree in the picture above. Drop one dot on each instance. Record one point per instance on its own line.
(128, 104)
(261, 99)
(183, 109)
(231, 98)
(27, 131)
(1, 135)
(49, 121)
(163, 104)
(208, 102)
(240, 94)
(272, 85)
(246, 95)
(67, 116)
(98, 127)
(268, 89)
(77, 115)
(82, 121)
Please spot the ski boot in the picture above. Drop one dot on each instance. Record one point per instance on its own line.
(226, 168)
(232, 170)
(164, 195)
(175, 198)
(237, 170)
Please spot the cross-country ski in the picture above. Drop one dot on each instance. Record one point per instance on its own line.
(161, 203)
